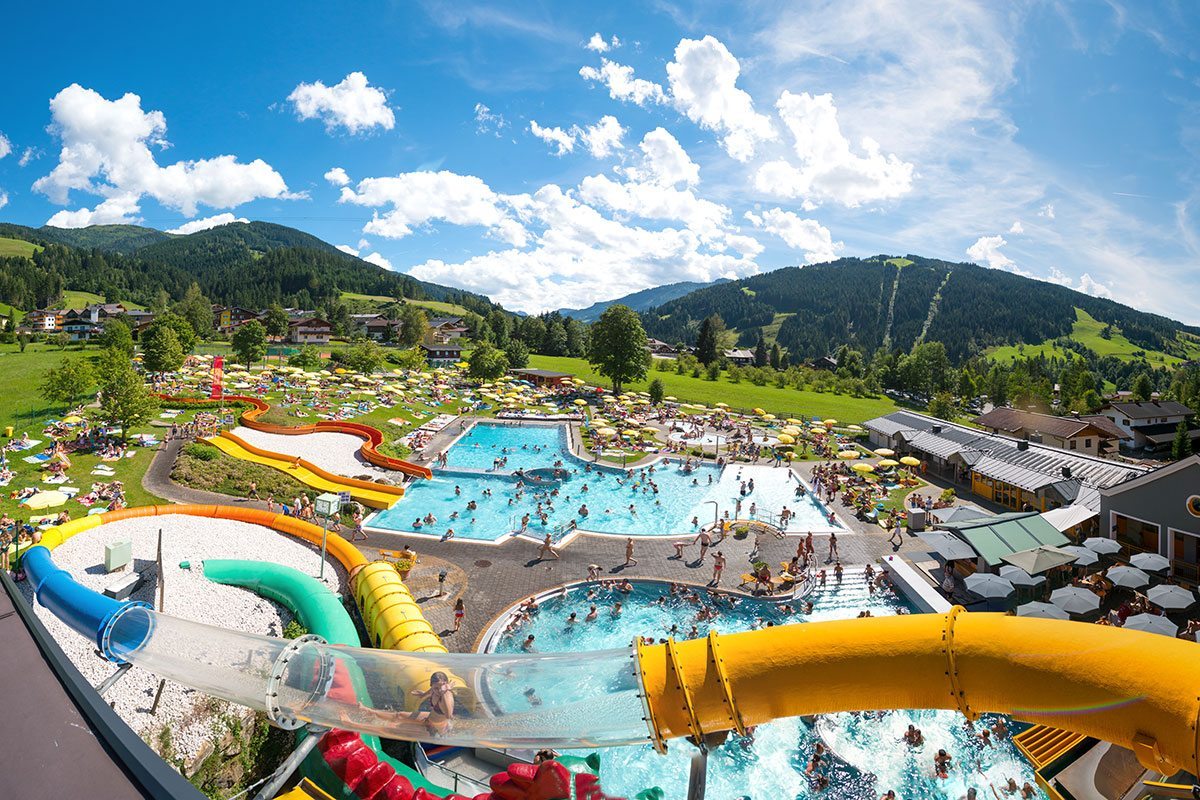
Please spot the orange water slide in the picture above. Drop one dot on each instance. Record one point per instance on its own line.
(372, 437)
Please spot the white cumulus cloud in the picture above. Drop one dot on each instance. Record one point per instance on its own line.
(5, 146)
(603, 138)
(600, 45)
(828, 169)
(214, 221)
(703, 80)
(106, 151)
(3, 198)
(345, 248)
(622, 85)
(1047, 211)
(987, 251)
(807, 235)
(562, 141)
(413, 199)
(488, 122)
(378, 260)
(338, 177)
(352, 104)
(1017, 228)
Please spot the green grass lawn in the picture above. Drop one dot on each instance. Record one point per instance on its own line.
(899, 262)
(17, 247)
(435, 307)
(23, 408)
(781, 402)
(74, 299)
(1086, 331)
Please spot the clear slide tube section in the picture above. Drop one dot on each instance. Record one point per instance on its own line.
(528, 700)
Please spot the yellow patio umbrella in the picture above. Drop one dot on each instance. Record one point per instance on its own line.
(883, 451)
(670, 398)
(579, 401)
(889, 462)
(51, 499)
(605, 431)
(649, 430)
(791, 430)
(340, 371)
(848, 454)
(786, 439)
(863, 468)
(462, 365)
(794, 421)
(910, 461)
(74, 418)
(768, 417)
(759, 411)
(854, 427)
(829, 423)
(722, 405)
(629, 432)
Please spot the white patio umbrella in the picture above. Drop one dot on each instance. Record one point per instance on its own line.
(1084, 557)
(1103, 546)
(1128, 577)
(989, 586)
(1075, 600)
(1151, 562)
(1152, 623)
(1042, 611)
(1171, 598)
(1020, 577)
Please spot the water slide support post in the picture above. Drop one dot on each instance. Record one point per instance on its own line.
(698, 774)
(111, 680)
(285, 770)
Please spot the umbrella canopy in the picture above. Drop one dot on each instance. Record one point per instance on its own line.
(829, 423)
(606, 431)
(1128, 577)
(889, 462)
(948, 546)
(1171, 598)
(1083, 556)
(579, 401)
(759, 411)
(1103, 546)
(1039, 559)
(854, 427)
(863, 468)
(989, 586)
(1075, 600)
(1152, 623)
(848, 454)
(785, 438)
(885, 451)
(51, 499)
(1020, 577)
(909, 461)
(1151, 562)
(1042, 611)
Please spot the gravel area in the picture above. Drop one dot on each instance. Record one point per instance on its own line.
(336, 452)
(190, 714)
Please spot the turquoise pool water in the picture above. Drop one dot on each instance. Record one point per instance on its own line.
(870, 757)
(666, 500)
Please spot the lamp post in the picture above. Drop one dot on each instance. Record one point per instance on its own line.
(326, 505)
(716, 514)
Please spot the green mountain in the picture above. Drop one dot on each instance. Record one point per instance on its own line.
(639, 301)
(898, 302)
(109, 238)
(248, 264)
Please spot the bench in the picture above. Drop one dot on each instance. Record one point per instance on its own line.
(123, 587)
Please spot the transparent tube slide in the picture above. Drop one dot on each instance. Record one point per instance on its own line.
(560, 700)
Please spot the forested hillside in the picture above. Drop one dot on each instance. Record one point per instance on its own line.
(896, 303)
(251, 264)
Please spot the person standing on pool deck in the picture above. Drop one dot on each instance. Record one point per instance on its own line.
(718, 567)
(459, 612)
(833, 548)
(705, 540)
(897, 534)
(629, 559)
(547, 547)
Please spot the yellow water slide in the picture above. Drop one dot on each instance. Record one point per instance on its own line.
(1138, 690)
(375, 495)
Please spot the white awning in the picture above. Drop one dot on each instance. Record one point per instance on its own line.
(1068, 517)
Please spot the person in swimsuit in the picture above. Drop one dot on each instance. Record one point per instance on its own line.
(437, 704)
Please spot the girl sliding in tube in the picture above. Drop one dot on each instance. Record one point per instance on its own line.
(437, 705)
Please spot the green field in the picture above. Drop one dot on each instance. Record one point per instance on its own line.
(375, 300)
(899, 262)
(17, 247)
(1086, 331)
(745, 395)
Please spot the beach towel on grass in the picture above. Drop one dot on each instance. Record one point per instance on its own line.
(38, 459)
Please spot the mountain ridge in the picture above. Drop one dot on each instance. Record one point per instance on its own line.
(642, 300)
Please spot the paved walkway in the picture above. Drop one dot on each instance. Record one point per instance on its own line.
(157, 481)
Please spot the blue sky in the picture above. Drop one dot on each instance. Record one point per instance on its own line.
(553, 154)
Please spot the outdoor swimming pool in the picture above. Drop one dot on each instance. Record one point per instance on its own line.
(681, 497)
(869, 755)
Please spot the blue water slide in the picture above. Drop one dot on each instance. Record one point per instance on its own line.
(85, 611)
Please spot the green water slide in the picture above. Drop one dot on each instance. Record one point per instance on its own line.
(319, 610)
